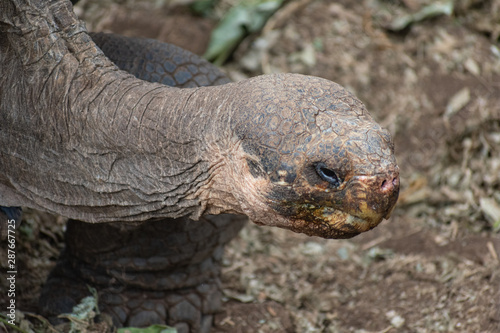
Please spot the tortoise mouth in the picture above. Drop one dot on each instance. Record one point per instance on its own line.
(360, 206)
(305, 207)
(328, 222)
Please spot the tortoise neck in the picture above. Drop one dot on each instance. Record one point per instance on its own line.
(80, 138)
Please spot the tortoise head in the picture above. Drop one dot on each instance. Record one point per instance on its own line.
(315, 161)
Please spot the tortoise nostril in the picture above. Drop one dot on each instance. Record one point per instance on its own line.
(389, 185)
(395, 181)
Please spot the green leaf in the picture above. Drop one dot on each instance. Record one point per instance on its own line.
(150, 329)
(203, 7)
(83, 313)
(427, 12)
(243, 19)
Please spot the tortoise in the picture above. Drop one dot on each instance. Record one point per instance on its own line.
(156, 179)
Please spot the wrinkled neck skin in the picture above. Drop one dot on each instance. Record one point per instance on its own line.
(82, 139)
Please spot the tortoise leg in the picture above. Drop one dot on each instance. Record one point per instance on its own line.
(164, 271)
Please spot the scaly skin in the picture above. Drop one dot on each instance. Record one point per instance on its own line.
(149, 60)
(165, 271)
(157, 272)
(249, 147)
(80, 138)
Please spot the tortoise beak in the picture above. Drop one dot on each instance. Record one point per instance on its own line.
(364, 202)
(389, 189)
(381, 193)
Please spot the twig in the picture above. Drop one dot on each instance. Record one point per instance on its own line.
(41, 319)
(374, 242)
(493, 252)
(2, 320)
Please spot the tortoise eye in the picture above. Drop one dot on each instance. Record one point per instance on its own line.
(328, 175)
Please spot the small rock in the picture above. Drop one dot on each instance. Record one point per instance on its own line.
(312, 249)
(410, 76)
(491, 210)
(396, 320)
(457, 102)
(343, 253)
(495, 50)
(472, 66)
(243, 298)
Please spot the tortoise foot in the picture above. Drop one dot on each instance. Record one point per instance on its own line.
(189, 310)
(152, 273)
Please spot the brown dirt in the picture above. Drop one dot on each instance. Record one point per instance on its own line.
(434, 266)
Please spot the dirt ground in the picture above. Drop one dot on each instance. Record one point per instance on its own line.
(434, 266)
